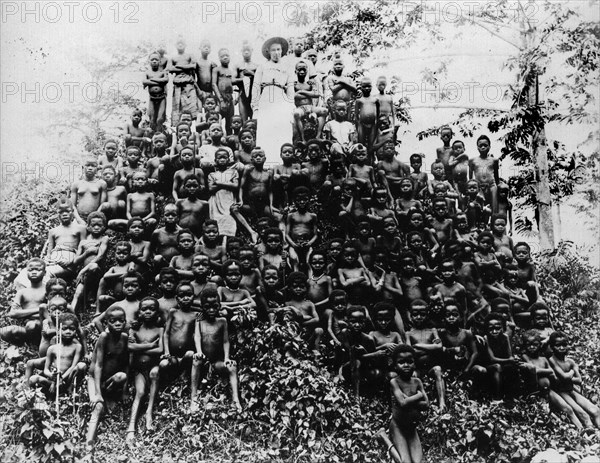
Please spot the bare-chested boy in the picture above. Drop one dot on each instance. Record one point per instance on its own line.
(204, 70)
(108, 370)
(192, 211)
(366, 116)
(115, 206)
(156, 81)
(338, 86)
(87, 193)
(306, 91)
(386, 103)
(141, 203)
(179, 330)
(211, 339)
(485, 170)
(26, 307)
(163, 243)
(222, 86)
(245, 78)
(301, 228)
(185, 96)
(256, 191)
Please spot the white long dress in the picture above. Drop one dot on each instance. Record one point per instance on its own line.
(275, 108)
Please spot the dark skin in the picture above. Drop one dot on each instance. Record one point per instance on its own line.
(192, 211)
(367, 113)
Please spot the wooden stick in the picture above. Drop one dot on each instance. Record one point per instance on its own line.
(59, 348)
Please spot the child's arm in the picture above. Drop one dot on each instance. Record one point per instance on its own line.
(76, 358)
(345, 282)
(243, 183)
(501, 361)
(176, 186)
(145, 347)
(562, 374)
(99, 366)
(142, 257)
(152, 212)
(158, 349)
(226, 348)
(198, 355)
(312, 318)
(73, 198)
(336, 341)
(50, 355)
(98, 320)
(15, 308)
(404, 400)
(166, 332)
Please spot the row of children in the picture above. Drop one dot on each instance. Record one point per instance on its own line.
(384, 270)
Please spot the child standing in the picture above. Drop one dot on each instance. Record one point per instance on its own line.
(222, 186)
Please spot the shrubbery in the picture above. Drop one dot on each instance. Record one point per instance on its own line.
(294, 409)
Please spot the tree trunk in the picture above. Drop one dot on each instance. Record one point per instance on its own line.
(544, 199)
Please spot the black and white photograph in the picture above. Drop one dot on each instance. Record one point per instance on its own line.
(300, 231)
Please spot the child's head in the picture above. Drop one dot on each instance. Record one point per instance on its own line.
(416, 161)
(122, 252)
(559, 343)
(258, 157)
(384, 314)
(540, 315)
(210, 104)
(215, 131)
(55, 287)
(65, 210)
(503, 189)
(340, 109)
(110, 148)
(234, 244)
(380, 257)
(167, 280)
(317, 261)
(224, 56)
(458, 147)
(381, 83)
(380, 196)
(205, 47)
(96, 223)
(301, 197)
(221, 158)
(437, 170)
(210, 302)
(522, 252)
(532, 342)
(359, 154)
(116, 320)
(136, 228)
(356, 317)
(191, 185)
(270, 276)
(416, 219)
(246, 139)
(184, 294)
(148, 310)
(313, 149)
(485, 240)
(287, 152)
(414, 240)
(440, 190)
(133, 155)
(494, 323)
(212, 117)
(186, 155)
(349, 254)
(452, 316)
(440, 207)
(338, 300)
(301, 69)
(404, 360)
(418, 312)
(447, 271)
(136, 115)
(185, 241)
(366, 86)
(472, 188)
(132, 284)
(69, 323)
(389, 225)
(446, 135)
(236, 123)
(109, 175)
(511, 275)
(210, 231)
(247, 258)
(170, 214)
(363, 228)
(36, 269)
(483, 144)
(461, 223)
(139, 180)
(408, 263)
(200, 265)
(406, 187)
(298, 284)
(334, 249)
(499, 224)
(57, 305)
(273, 239)
(232, 273)
(90, 168)
(501, 306)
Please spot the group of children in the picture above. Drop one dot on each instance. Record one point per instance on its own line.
(390, 274)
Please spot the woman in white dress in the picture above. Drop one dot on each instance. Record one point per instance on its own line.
(273, 101)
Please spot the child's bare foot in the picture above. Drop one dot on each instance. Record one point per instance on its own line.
(149, 423)
(194, 406)
(238, 406)
(130, 436)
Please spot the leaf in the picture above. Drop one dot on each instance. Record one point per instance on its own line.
(59, 447)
